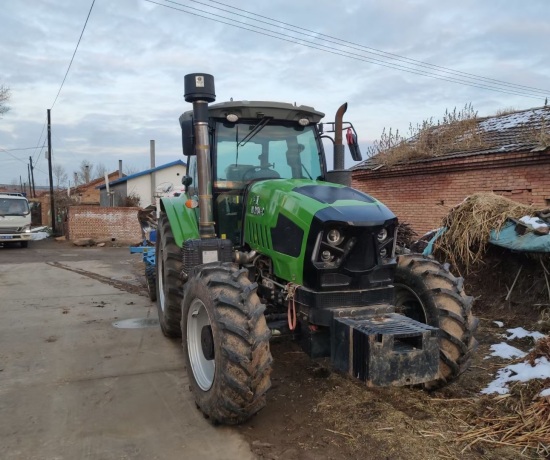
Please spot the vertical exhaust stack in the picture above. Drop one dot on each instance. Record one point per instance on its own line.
(339, 175)
(339, 138)
(199, 90)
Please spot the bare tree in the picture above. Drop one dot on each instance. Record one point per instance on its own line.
(5, 95)
(60, 175)
(99, 170)
(129, 170)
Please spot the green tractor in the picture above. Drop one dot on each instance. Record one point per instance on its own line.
(266, 243)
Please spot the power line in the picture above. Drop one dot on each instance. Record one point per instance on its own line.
(368, 49)
(18, 159)
(14, 150)
(74, 53)
(332, 50)
(39, 139)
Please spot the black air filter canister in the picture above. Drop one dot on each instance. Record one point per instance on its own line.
(199, 87)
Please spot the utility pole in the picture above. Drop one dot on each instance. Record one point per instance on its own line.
(32, 177)
(52, 203)
(20, 184)
(29, 173)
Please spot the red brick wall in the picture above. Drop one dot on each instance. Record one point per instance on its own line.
(104, 223)
(421, 194)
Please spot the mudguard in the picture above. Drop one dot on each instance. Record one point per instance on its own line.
(183, 220)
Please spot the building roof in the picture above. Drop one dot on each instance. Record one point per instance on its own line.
(507, 133)
(142, 173)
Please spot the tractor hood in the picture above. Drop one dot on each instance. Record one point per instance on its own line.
(302, 200)
(284, 218)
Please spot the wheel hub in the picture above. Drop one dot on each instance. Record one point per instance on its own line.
(207, 342)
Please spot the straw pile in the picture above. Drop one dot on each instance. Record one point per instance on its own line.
(470, 223)
(525, 421)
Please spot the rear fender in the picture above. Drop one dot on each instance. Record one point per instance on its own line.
(183, 220)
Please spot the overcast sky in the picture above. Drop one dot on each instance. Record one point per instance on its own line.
(125, 85)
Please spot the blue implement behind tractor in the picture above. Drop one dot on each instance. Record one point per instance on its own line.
(147, 220)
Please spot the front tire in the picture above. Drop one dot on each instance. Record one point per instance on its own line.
(169, 285)
(225, 343)
(427, 292)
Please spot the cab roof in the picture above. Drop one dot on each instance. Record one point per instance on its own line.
(260, 109)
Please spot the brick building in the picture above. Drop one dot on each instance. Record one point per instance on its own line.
(514, 162)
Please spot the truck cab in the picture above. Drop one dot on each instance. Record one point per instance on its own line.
(15, 219)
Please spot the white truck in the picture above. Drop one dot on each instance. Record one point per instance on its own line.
(15, 219)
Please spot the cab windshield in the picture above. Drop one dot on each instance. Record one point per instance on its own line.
(261, 150)
(13, 207)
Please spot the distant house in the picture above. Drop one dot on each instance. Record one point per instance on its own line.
(142, 185)
(512, 160)
(88, 193)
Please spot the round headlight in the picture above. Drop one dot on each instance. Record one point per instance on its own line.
(334, 237)
(303, 121)
(383, 253)
(232, 118)
(326, 256)
(382, 235)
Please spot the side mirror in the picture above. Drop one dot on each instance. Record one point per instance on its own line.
(351, 138)
(187, 181)
(187, 137)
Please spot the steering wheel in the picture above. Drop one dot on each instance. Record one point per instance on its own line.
(252, 171)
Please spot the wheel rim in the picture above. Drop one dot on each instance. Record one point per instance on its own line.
(160, 278)
(198, 323)
(409, 304)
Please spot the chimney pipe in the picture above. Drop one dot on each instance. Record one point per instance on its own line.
(119, 168)
(199, 89)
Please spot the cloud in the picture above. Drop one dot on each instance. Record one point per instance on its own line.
(125, 86)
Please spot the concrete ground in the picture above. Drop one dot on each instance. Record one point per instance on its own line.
(73, 385)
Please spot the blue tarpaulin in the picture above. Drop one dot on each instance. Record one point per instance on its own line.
(508, 238)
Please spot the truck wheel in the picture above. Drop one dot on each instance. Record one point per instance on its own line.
(151, 282)
(169, 287)
(225, 343)
(427, 292)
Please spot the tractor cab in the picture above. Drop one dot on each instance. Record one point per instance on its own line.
(253, 141)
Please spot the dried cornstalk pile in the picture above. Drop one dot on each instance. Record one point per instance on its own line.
(405, 234)
(470, 223)
(527, 427)
(525, 422)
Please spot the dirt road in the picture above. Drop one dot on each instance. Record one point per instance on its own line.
(78, 378)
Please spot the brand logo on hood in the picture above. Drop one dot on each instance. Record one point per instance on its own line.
(256, 209)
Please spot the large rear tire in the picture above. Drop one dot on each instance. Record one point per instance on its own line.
(225, 343)
(427, 292)
(169, 285)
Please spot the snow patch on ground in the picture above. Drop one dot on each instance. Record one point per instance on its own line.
(521, 372)
(40, 235)
(520, 333)
(505, 351)
(499, 323)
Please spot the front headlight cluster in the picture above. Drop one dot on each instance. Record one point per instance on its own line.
(331, 246)
(385, 240)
